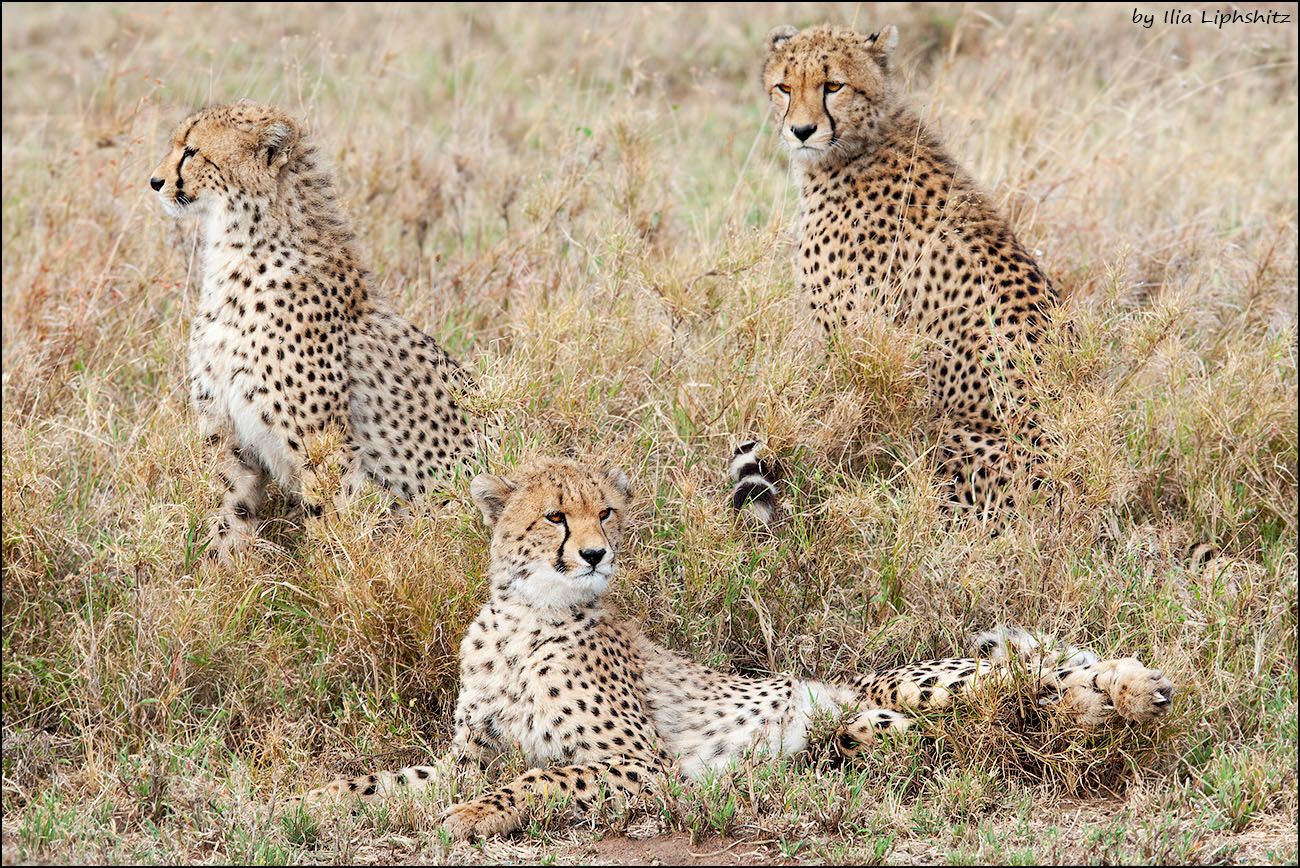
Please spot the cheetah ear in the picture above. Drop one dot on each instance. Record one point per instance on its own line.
(617, 478)
(778, 35)
(490, 494)
(881, 46)
(275, 141)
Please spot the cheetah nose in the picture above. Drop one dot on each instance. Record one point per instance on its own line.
(156, 183)
(802, 133)
(592, 556)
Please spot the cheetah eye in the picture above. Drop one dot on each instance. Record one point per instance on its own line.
(606, 513)
(556, 517)
(831, 88)
(783, 88)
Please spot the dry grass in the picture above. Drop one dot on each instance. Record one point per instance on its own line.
(588, 206)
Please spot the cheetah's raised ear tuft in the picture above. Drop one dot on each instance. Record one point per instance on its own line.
(490, 494)
(881, 46)
(778, 35)
(275, 141)
(617, 478)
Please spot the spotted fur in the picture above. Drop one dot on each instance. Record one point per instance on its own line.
(596, 706)
(892, 226)
(291, 352)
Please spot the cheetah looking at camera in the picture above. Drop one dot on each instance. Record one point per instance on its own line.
(598, 707)
(891, 226)
(289, 346)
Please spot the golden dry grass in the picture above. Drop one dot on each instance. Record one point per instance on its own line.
(588, 206)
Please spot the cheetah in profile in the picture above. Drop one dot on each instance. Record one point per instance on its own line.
(891, 226)
(289, 346)
(597, 707)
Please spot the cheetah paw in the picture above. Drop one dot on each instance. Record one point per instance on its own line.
(478, 820)
(1139, 693)
(225, 544)
(857, 731)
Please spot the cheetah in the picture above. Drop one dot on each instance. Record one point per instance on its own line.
(891, 226)
(597, 707)
(290, 348)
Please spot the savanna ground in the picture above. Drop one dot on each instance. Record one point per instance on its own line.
(589, 207)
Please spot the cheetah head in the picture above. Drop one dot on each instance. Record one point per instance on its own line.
(830, 86)
(218, 153)
(555, 532)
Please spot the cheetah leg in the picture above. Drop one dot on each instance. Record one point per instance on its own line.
(1097, 693)
(859, 730)
(330, 471)
(502, 811)
(985, 476)
(1031, 648)
(977, 475)
(1076, 682)
(928, 684)
(244, 482)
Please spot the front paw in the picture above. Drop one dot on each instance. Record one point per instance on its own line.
(858, 731)
(227, 540)
(478, 819)
(1139, 693)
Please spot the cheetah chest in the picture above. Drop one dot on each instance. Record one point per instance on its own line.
(555, 695)
(238, 364)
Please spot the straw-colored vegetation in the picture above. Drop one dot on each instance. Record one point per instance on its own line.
(587, 205)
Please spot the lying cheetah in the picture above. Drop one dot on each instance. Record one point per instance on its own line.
(891, 226)
(597, 706)
(289, 345)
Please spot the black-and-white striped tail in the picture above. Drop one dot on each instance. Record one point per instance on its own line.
(754, 491)
(1200, 554)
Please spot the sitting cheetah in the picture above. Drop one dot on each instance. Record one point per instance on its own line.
(597, 706)
(289, 345)
(891, 226)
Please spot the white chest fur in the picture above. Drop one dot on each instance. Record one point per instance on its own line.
(232, 346)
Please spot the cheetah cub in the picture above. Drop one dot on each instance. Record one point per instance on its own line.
(891, 226)
(599, 708)
(290, 347)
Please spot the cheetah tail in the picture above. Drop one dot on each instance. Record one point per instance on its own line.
(1201, 553)
(376, 787)
(754, 492)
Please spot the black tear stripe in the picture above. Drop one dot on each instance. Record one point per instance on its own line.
(825, 108)
(180, 167)
(559, 554)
